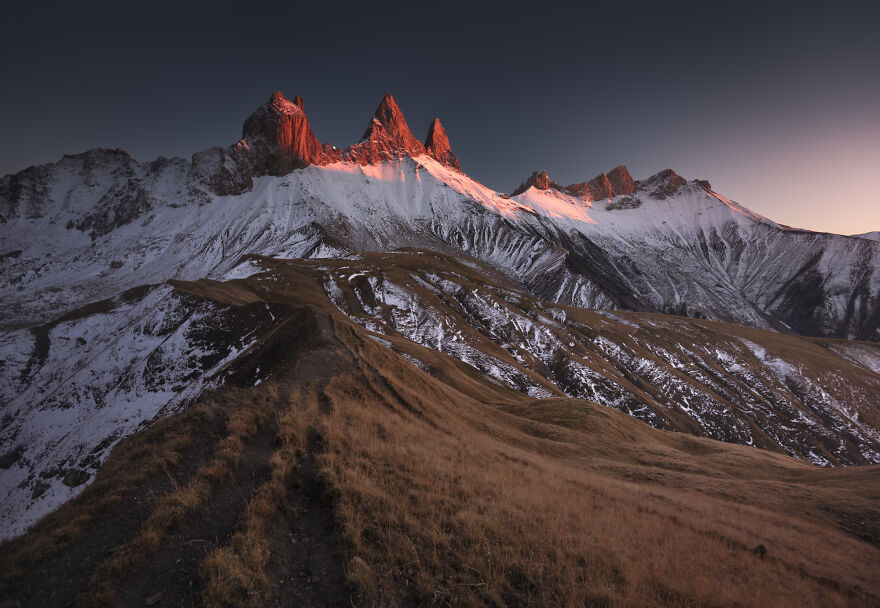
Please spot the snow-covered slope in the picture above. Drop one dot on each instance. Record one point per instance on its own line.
(700, 254)
(694, 253)
(72, 388)
(93, 342)
(818, 400)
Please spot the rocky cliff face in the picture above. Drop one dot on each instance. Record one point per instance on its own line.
(605, 185)
(280, 138)
(224, 171)
(277, 139)
(664, 184)
(387, 137)
(621, 181)
(539, 180)
(437, 145)
(616, 182)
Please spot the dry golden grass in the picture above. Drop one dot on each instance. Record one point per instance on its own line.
(133, 464)
(245, 416)
(445, 500)
(450, 490)
(234, 574)
(661, 366)
(453, 491)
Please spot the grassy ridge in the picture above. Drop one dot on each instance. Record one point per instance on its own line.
(562, 502)
(440, 488)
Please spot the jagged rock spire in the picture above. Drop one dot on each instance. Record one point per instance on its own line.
(605, 185)
(277, 138)
(388, 120)
(437, 145)
(387, 136)
(280, 138)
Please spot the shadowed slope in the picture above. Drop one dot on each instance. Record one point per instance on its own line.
(806, 397)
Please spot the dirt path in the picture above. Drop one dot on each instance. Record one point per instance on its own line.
(174, 570)
(306, 569)
(306, 565)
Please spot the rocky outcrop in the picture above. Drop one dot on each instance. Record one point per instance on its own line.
(437, 145)
(616, 182)
(224, 171)
(599, 187)
(539, 180)
(280, 139)
(664, 184)
(387, 137)
(621, 181)
(277, 139)
(120, 206)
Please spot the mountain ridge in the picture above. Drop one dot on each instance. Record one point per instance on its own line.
(277, 137)
(84, 364)
(343, 436)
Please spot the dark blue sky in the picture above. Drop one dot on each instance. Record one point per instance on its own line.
(778, 104)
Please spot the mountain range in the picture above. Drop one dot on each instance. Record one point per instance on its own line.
(134, 291)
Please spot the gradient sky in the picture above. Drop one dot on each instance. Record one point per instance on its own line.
(777, 104)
